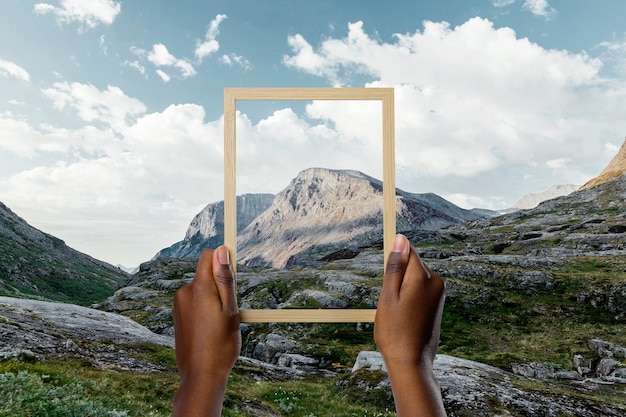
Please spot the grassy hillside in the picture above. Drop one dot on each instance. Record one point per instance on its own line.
(37, 265)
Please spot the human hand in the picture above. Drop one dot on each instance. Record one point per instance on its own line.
(207, 336)
(406, 330)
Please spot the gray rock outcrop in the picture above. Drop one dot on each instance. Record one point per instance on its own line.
(474, 389)
(49, 330)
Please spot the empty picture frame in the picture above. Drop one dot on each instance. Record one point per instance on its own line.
(231, 96)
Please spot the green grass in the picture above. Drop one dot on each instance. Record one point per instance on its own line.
(73, 388)
(301, 398)
(548, 327)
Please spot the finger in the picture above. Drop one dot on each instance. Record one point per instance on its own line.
(419, 279)
(396, 266)
(224, 279)
(203, 279)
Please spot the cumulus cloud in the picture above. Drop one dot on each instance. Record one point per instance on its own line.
(111, 106)
(151, 173)
(21, 139)
(88, 14)
(11, 69)
(475, 106)
(160, 56)
(476, 100)
(210, 45)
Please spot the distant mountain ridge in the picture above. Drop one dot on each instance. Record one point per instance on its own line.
(34, 263)
(319, 207)
(207, 227)
(532, 200)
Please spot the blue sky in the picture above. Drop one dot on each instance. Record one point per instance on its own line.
(110, 111)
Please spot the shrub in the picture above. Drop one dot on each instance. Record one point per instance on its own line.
(30, 395)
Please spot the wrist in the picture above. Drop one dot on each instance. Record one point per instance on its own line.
(200, 395)
(415, 389)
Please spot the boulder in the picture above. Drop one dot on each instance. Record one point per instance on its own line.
(297, 361)
(273, 347)
(369, 360)
(474, 389)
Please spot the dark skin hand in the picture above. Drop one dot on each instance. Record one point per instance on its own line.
(406, 330)
(208, 340)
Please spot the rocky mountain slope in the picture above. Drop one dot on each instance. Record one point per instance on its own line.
(207, 227)
(36, 264)
(335, 209)
(615, 168)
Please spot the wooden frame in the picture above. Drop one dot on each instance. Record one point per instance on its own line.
(231, 95)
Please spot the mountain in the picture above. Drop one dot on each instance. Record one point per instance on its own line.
(36, 264)
(532, 200)
(336, 209)
(615, 168)
(207, 227)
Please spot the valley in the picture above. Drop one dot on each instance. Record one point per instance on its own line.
(533, 323)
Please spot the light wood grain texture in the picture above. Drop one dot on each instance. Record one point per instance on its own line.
(230, 187)
(231, 96)
(307, 316)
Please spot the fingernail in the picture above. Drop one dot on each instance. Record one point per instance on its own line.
(222, 255)
(399, 244)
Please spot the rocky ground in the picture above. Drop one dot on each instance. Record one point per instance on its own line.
(36, 330)
(520, 387)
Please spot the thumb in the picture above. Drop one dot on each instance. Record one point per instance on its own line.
(396, 265)
(224, 279)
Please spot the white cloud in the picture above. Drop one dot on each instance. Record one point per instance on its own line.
(475, 102)
(558, 163)
(19, 138)
(210, 44)
(306, 59)
(163, 75)
(471, 201)
(161, 57)
(11, 69)
(141, 184)
(540, 8)
(502, 3)
(88, 14)
(476, 108)
(234, 59)
(102, 45)
(136, 65)
(110, 106)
